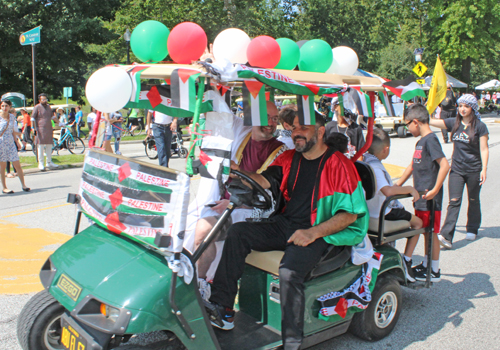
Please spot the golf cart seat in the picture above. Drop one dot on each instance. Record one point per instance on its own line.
(334, 257)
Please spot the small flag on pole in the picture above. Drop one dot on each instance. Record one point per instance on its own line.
(254, 104)
(305, 107)
(183, 88)
(386, 101)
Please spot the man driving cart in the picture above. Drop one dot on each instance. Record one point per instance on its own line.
(324, 205)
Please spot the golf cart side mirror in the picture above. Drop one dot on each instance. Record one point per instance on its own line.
(73, 198)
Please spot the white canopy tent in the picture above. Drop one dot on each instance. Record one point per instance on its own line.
(492, 84)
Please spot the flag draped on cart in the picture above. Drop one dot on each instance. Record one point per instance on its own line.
(135, 199)
(335, 306)
(386, 101)
(254, 103)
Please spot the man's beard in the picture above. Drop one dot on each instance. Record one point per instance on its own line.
(307, 145)
(266, 133)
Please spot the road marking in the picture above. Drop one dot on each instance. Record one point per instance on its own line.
(395, 171)
(22, 253)
(35, 210)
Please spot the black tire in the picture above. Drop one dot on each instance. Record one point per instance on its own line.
(77, 146)
(150, 149)
(386, 301)
(402, 131)
(39, 326)
(183, 152)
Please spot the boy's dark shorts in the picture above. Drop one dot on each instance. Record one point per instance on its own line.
(398, 214)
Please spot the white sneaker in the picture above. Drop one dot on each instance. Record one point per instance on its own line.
(41, 167)
(470, 236)
(52, 166)
(119, 153)
(205, 289)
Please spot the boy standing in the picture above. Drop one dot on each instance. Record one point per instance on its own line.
(429, 168)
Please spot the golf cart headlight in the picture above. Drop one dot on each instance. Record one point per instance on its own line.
(110, 312)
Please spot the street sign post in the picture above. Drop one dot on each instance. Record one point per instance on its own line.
(420, 69)
(67, 92)
(32, 37)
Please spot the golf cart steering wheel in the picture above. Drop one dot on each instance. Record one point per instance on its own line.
(257, 190)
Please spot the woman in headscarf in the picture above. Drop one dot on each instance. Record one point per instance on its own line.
(468, 168)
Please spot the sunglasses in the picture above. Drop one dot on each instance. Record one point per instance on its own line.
(408, 124)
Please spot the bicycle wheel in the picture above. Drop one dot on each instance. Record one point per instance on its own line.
(151, 150)
(76, 146)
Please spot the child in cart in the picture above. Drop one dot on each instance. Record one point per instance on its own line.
(429, 168)
(378, 151)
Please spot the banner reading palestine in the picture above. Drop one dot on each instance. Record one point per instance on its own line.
(135, 199)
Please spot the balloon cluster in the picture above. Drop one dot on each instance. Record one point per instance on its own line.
(152, 41)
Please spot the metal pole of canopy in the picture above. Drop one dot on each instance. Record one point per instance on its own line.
(194, 129)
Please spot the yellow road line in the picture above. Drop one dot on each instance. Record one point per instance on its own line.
(36, 210)
(22, 254)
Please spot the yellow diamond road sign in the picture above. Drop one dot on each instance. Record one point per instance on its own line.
(420, 69)
(421, 81)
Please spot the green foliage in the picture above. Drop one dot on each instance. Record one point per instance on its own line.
(61, 59)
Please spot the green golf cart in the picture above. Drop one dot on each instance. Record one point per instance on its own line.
(128, 274)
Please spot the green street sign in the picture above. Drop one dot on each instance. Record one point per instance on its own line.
(30, 37)
(68, 92)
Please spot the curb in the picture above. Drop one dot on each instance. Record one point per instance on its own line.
(61, 167)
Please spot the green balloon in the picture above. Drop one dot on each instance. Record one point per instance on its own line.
(315, 56)
(149, 41)
(290, 54)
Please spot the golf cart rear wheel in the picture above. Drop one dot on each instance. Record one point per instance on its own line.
(39, 324)
(382, 314)
(402, 131)
(183, 153)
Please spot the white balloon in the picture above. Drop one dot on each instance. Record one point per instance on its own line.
(232, 45)
(345, 61)
(109, 89)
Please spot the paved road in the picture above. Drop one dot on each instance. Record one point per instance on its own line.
(460, 312)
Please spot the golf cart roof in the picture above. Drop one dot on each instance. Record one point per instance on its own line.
(164, 71)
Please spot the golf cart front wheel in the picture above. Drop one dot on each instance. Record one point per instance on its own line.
(183, 153)
(402, 131)
(39, 324)
(382, 314)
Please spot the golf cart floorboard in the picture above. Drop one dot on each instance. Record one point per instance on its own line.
(248, 333)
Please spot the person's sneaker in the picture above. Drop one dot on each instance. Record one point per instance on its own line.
(52, 166)
(435, 276)
(205, 290)
(408, 270)
(118, 153)
(470, 236)
(220, 316)
(419, 271)
(41, 167)
(444, 242)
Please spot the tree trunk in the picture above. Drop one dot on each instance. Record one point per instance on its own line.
(466, 66)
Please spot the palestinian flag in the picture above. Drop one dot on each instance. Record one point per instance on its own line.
(183, 88)
(254, 103)
(159, 98)
(135, 76)
(135, 199)
(407, 89)
(363, 103)
(306, 110)
(386, 101)
(215, 158)
(336, 306)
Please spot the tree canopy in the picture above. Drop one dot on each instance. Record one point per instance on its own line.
(80, 36)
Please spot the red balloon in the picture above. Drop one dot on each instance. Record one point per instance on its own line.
(264, 52)
(187, 42)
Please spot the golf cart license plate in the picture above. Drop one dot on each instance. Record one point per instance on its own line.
(69, 287)
(71, 339)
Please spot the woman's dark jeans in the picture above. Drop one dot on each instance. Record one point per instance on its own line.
(456, 184)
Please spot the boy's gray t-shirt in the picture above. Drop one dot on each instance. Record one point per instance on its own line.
(426, 169)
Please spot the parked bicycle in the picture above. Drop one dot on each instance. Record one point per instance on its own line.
(73, 144)
(175, 146)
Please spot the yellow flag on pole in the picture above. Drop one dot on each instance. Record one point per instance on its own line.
(437, 92)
